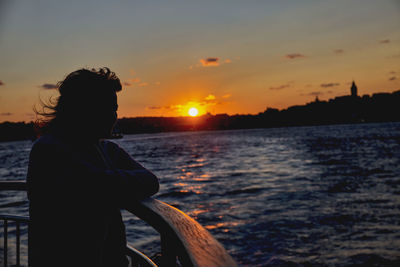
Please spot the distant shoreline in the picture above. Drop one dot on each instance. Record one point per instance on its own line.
(380, 107)
(24, 138)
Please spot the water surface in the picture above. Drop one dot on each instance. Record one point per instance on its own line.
(327, 195)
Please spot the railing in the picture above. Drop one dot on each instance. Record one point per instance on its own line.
(16, 186)
(138, 258)
(18, 220)
(183, 240)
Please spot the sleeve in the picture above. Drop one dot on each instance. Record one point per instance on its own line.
(53, 170)
(124, 163)
(120, 158)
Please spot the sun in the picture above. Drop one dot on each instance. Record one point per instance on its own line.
(193, 112)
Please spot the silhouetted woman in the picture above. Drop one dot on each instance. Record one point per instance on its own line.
(78, 182)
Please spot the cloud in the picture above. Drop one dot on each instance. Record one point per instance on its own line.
(280, 87)
(48, 86)
(143, 84)
(1, 82)
(386, 41)
(392, 78)
(316, 93)
(6, 114)
(172, 107)
(207, 102)
(210, 97)
(325, 85)
(338, 51)
(134, 80)
(294, 55)
(209, 62)
(175, 107)
(131, 82)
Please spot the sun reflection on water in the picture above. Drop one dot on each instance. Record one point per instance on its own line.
(226, 225)
(186, 188)
(195, 213)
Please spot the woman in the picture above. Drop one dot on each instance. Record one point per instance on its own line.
(77, 182)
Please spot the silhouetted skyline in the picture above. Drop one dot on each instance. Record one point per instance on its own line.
(351, 108)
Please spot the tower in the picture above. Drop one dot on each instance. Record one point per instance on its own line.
(353, 89)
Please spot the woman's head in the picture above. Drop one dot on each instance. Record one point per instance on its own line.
(87, 103)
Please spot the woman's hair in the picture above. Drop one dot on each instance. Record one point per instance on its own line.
(76, 93)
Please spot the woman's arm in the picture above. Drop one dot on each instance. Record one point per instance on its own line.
(54, 170)
(122, 161)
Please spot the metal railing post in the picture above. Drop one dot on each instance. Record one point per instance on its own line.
(18, 242)
(5, 242)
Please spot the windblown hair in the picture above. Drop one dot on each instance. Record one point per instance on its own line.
(76, 91)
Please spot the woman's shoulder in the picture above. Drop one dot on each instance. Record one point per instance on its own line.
(47, 139)
(110, 147)
(116, 153)
(49, 142)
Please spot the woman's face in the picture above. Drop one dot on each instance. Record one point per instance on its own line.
(103, 115)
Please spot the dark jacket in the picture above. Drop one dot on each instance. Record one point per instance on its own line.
(76, 190)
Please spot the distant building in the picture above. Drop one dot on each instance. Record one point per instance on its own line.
(353, 89)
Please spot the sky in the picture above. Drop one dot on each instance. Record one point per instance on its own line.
(234, 57)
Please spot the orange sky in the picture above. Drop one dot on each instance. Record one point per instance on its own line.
(227, 57)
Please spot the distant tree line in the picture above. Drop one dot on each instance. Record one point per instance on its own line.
(380, 107)
(12, 131)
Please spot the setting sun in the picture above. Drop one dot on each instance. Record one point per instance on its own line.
(193, 112)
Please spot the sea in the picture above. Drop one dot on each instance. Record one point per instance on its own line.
(295, 196)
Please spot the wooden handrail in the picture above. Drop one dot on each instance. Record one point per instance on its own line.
(181, 236)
